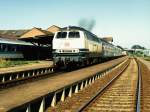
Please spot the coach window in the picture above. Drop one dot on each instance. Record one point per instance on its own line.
(13, 48)
(0, 47)
(4, 48)
(61, 35)
(9, 48)
(74, 35)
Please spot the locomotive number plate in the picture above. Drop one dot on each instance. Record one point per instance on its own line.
(67, 44)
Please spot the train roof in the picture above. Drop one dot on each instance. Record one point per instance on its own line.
(82, 29)
(73, 28)
(16, 42)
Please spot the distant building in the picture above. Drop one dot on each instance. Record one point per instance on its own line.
(16, 34)
(5, 36)
(146, 52)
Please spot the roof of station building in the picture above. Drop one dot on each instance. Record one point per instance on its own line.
(36, 32)
(53, 28)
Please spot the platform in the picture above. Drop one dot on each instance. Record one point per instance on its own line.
(41, 64)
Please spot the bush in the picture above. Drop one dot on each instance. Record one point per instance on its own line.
(11, 63)
(147, 58)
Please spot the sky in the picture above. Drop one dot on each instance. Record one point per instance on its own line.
(127, 21)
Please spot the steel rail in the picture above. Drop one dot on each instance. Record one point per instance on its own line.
(102, 90)
(138, 92)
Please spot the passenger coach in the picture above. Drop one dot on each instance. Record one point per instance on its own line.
(16, 49)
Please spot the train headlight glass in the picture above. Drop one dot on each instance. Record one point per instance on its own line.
(58, 50)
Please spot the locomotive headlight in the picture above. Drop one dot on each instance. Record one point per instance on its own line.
(75, 50)
(58, 51)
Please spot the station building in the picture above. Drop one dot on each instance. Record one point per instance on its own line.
(12, 34)
(41, 37)
(41, 42)
(146, 52)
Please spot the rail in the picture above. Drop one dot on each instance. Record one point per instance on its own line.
(138, 92)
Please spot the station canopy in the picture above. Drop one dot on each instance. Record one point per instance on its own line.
(12, 34)
(39, 36)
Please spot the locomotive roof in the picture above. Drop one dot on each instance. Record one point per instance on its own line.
(16, 42)
(73, 28)
(76, 28)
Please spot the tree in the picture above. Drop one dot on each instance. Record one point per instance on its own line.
(137, 47)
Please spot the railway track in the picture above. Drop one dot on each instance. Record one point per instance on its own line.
(145, 89)
(120, 95)
(117, 91)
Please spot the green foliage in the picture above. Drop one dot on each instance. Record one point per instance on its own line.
(147, 58)
(10, 63)
(137, 47)
(137, 53)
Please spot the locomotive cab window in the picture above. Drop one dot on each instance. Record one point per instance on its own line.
(74, 35)
(61, 35)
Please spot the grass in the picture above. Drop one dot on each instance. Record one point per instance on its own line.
(147, 58)
(10, 63)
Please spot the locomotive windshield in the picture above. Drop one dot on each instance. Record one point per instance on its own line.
(61, 35)
(74, 35)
